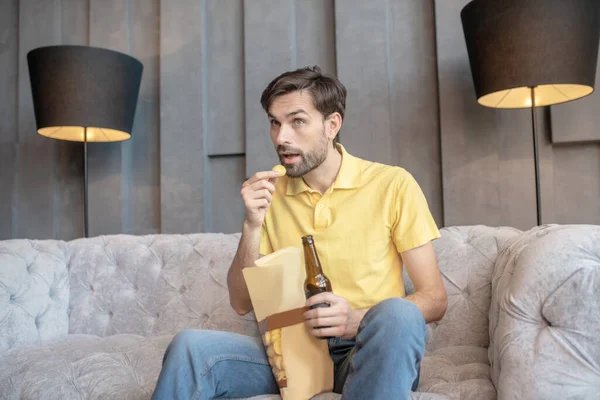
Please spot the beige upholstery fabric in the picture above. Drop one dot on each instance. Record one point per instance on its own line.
(129, 295)
(153, 285)
(545, 315)
(34, 292)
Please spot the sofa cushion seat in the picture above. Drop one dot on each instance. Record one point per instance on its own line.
(458, 372)
(127, 366)
(84, 366)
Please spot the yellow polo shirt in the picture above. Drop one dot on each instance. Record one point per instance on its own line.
(371, 213)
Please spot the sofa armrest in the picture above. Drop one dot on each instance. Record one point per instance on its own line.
(34, 292)
(545, 314)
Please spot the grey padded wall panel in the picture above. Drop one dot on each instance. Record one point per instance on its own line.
(314, 34)
(225, 77)
(487, 154)
(362, 59)
(9, 65)
(386, 59)
(109, 175)
(415, 135)
(268, 50)
(577, 184)
(74, 18)
(277, 37)
(200, 130)
(68, 214)
(546, 153)
(9, 86)
(8, 196)
(130, 169)
(143, 150)
(74, 23)
(226, 205)
(182, 119)
(36, 155)
(578, 121)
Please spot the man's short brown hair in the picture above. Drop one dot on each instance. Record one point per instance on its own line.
(328, 93)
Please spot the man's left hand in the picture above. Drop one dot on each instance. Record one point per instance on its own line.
(339, 319)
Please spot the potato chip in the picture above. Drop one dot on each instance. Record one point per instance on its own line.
(280, 169)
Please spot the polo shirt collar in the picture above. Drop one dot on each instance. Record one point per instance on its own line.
(349, 175)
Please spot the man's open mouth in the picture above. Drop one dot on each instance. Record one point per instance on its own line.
(289, 157)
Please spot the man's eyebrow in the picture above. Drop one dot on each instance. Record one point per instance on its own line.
(290, 114)
(296, 112)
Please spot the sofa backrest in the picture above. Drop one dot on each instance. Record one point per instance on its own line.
(153, 285)
(546, 315)
(466, 257)
(161, 284)
(34, 292)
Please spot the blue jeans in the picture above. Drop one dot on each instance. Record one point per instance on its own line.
(383, 363)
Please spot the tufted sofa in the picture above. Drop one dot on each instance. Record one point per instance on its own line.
(91, 318)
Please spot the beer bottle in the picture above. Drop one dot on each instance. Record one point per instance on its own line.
(316, 281)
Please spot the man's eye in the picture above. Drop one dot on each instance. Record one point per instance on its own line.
(274, 123)
(299, 122)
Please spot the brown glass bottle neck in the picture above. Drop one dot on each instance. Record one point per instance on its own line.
(311, 259)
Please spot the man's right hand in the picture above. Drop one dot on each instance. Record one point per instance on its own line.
(257, 193)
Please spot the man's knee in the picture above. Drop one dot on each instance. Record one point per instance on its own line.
(396, 314)
(184, 340)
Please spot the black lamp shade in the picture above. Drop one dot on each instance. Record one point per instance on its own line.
(77, 87)
(514, 45)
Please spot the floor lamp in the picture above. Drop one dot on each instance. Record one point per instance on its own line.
(534, 53)
(84, 94)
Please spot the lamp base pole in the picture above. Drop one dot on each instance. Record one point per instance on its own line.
(536, 159)
(85, 184)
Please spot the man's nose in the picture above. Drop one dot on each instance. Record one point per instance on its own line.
(284, 136)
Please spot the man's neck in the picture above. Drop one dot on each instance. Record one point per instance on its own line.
(322, 177)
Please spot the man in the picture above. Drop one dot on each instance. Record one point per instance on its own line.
(368, 219)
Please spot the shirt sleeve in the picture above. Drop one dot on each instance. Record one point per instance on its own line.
(265, 246)
(413, 225)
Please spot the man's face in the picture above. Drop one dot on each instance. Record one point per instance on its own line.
(298, 133)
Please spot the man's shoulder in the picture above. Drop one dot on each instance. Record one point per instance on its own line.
(391, 174)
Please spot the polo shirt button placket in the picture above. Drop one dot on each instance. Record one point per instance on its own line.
(320, 217)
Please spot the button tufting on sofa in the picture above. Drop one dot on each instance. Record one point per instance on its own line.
(156, 292)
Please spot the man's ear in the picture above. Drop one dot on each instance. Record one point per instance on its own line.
(333, 123)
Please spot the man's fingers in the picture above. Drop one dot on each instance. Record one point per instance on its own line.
(263, 184)
(262, 176)
(325, 297)
(257, 203)
(261, 194)
(257, 186)
(325, 321)
(328, 332)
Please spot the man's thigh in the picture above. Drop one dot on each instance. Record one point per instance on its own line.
(218, 364)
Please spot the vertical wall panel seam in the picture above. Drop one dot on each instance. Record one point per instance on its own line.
(126, 148)
(293, 35)
(157, 108)
(56, 195)
(243, 73)
(439, 114)
(388, 63)
(17, 144)
(333, 24)
(206, 174)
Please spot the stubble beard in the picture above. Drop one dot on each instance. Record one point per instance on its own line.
(308, 161)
